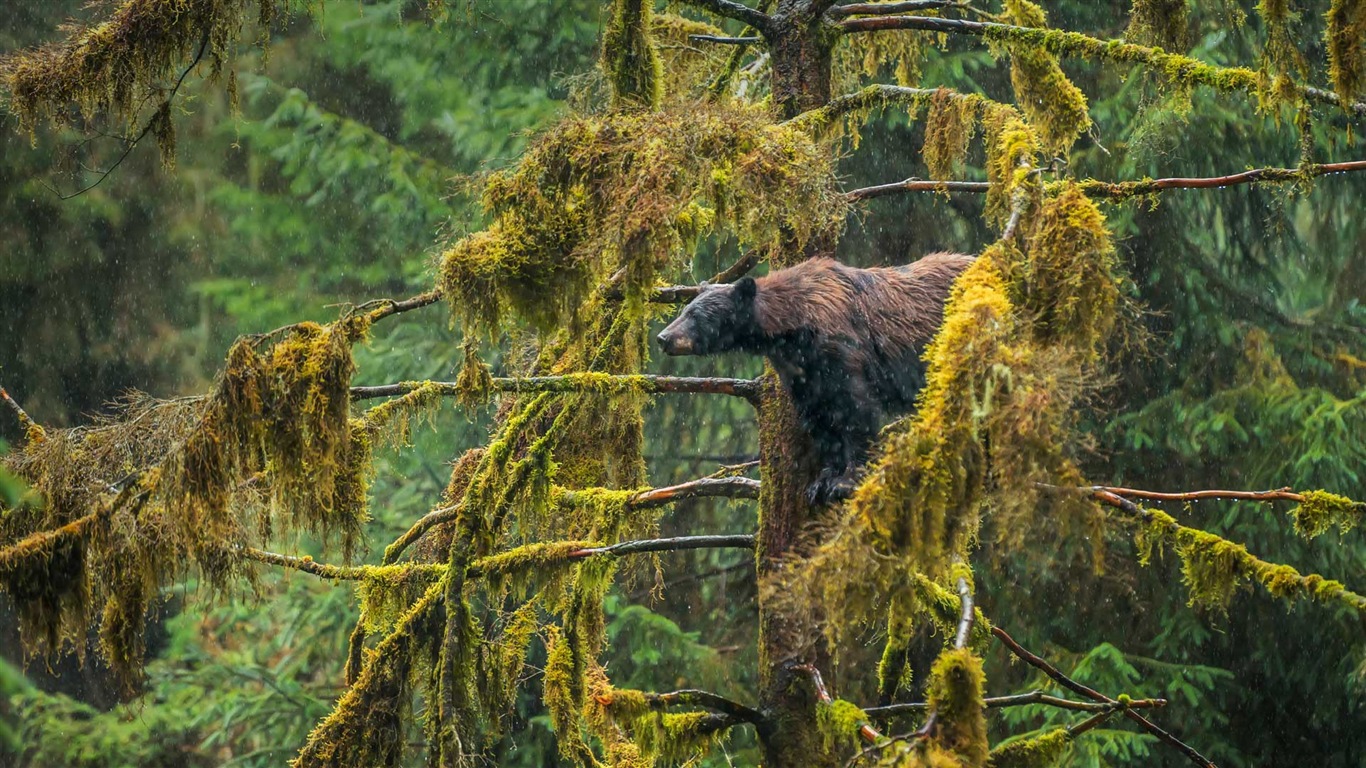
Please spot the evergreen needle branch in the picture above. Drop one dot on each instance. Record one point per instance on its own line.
(582, 382)
(1022, 699)
(1178, 68)
(1053, 672)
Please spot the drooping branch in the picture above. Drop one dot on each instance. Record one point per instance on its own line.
(733, 487)
(581, 382)
(733, 10)
(1053, 672)
(1021, 699)
(1062, 43)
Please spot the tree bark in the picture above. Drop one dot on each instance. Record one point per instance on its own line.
(800, 48)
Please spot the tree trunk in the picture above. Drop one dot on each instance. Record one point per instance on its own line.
(801, 58)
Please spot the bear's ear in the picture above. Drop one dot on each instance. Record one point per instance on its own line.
(745, 288)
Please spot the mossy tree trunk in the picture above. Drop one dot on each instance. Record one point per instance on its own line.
(801, 66)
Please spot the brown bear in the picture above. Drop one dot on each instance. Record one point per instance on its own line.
(846, 342)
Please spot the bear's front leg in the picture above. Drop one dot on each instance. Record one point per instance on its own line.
(843, 450)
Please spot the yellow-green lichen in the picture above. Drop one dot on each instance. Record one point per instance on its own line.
(948, 129)
(839, 722)
(1346, 30)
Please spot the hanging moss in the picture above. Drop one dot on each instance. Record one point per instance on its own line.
(474, 384)
(1042, 751)
(1346, 60)
(617, 194)
(868, 55)
(119, 65)
(955, 695)
(1162, 23)
(1214, 568)
(392, 420)
(1322, 510)
(948, 129)
(1012, 147)
(1055, 106)
(629, 58)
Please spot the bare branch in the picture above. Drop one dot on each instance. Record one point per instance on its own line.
(742, 266)
(1125, 189)
(1094, 695)
(676, 544)
(732, 10)
(1021, 699)
(1059, 43)
(583, 382)
(917, 185)
(909, 6)
(386, 307)
(1280, 494)
(132, 143)
(725, 40)
(965, 619)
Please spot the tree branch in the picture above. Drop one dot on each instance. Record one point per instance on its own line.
(725, 40)
(707, 487)
(733, 10)
(31, 428)
(1094, 695)
(1126, 189)
(706, 699)
(386, 307)
(676, 544)
(909, 6)
(868, 732)
(917, 185)
(1063, 43)
(582, 382)
(1280, 494)
(1021, 699)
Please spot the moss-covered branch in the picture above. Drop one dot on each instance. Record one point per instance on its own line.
(1057, 675)
(1214, 568)
(729, 9)
(1022, 699)
(1175, 67)
(579, 382)
(1120, 190)
(705, 699)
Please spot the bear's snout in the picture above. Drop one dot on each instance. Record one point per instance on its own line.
(674, 343)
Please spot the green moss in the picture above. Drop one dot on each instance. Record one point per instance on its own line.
(1161, 23)
(1322, 510)
(955, 695)
(629, 58)
(1055, 106)
(948, 129)
(839, 723)
(1346, 28)
(1042, 751)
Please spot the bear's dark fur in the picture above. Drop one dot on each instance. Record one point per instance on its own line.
(846, 342)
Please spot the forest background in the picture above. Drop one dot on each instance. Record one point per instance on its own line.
(358, 150)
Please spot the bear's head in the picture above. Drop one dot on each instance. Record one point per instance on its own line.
(720, 319)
